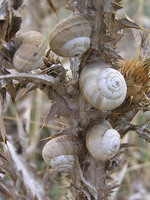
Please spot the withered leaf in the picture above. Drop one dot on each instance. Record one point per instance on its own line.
(11, 90)
(125, 23)
(53, 8)
(16, 4)
(3, 8)
(116, 6)
(13, 27)
(2, 155)
(36, 78)
(5, 191)
(2, 171)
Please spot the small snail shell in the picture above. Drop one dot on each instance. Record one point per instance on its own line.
(70, 37)
(30, 46)
(103, 87)
(102, 141)
(59, 152)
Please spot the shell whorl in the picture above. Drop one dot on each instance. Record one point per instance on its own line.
(102, 141)
(70, 37)
(103, 87)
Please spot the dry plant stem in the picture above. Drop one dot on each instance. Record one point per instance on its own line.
(35, 137)
(95, 173)
(142, 130)
(41, 79)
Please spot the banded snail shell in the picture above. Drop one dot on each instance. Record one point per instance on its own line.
(103, 87)
(71, 37)
(57, 150)
(30, 46)
(102, 141)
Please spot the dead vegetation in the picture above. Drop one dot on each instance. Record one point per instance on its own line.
(46, 102)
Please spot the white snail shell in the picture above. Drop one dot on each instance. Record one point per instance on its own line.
(102, 141)
(103, 87)
(61, 149)
(71, 37)
(30, 46)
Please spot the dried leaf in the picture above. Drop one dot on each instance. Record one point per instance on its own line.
(2, 171)
(5, 191)
(2, 155)
(13, 27)
(16, 4)
(116, 6)
(125, 23)
(53, 8)
(41, 79)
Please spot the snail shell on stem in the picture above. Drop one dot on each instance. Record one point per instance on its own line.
(71, 37)
(30, 47)
(60, 151)
(102, 141)
(103, 87)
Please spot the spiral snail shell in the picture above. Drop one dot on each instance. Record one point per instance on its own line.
(60, 151)
(103, 87)
(102, 141)
(30, 47)
(71, 37)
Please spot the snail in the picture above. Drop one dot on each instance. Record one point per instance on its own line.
(60, 152)
(71, 37)
(103, 87)
(30, 47)
(102, 141)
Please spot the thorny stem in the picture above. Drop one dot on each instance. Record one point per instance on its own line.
(142, 130)
(36, 78)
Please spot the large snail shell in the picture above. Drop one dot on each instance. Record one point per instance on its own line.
(102, 141)
(30, 46)
(70, 37)
(54, 151)
(103, 88)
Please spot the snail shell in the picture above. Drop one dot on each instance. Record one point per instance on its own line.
(30, 46)
(102, 141)
(61, 149)
(71, 37)
(103, 87)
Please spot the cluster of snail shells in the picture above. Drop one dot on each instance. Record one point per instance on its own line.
(60, 152)
(71, 37)
(30, 48)
(102, 141)
(102, 87)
